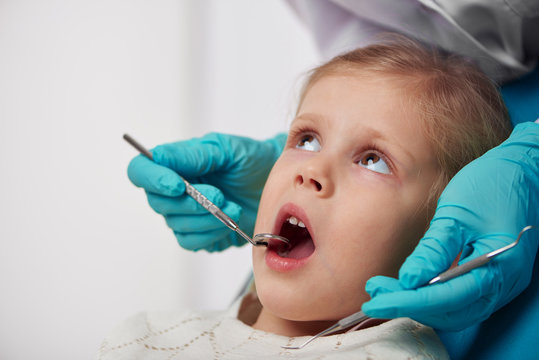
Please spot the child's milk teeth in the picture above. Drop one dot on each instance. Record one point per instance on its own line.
(294, 221)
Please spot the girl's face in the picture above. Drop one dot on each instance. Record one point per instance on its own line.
(349, 191)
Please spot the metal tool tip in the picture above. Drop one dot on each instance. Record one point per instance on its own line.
(291, 347)
(268, 239)
(137, 146)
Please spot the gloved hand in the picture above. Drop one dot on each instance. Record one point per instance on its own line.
(229, 170)
(483, 208)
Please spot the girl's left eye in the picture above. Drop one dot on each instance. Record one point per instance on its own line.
(374, 162)
(309, 143)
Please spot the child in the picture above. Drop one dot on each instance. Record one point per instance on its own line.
(378, 133)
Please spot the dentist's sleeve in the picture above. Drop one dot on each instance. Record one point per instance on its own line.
(502, 37)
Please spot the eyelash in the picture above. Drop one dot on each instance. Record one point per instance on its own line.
(297, 133)
(373, 148)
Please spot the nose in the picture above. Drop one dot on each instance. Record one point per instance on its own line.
(315, 175)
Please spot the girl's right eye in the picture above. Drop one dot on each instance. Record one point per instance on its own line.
(308, 142)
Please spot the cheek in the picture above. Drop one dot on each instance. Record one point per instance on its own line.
(376, 237)
(268, 205)
(401, 234)
(399, 220)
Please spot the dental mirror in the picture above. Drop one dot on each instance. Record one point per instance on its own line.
(270, 239)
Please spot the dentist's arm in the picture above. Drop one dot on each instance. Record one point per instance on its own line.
(229, 170)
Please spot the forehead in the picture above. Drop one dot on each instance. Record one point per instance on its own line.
(361, 97)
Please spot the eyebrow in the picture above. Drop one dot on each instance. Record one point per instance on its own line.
(372, 133)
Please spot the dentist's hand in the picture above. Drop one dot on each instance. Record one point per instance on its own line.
(483, 208)
(229, 170)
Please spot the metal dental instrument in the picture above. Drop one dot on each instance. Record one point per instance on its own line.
(342, 324)
(262, 239)
(476, 262)
(359, 317)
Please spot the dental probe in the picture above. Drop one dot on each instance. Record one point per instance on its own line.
(342, 324)
(360, 316)
(476, 262)
(258, 240)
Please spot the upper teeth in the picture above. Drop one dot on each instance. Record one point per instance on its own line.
(294, 221)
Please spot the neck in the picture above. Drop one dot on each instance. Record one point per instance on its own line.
(270, 323)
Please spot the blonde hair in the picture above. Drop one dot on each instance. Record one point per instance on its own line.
(462, 112)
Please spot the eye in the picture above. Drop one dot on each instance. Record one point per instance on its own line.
(308, 142)
(372, 161)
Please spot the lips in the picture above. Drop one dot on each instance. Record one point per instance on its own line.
(292, 223)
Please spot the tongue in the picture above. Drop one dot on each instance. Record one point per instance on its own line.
(301, 243)
(301, 249)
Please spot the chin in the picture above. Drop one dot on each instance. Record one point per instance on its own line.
(295, 305)
(284, 302)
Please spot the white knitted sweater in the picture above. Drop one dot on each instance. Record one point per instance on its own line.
(221, 335)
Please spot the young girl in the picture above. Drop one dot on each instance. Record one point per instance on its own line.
(378, 134)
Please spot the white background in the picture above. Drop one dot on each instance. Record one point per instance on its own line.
(80, 250)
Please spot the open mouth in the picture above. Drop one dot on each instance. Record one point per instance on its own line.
(301, 242)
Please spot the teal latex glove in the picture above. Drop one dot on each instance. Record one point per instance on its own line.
(229, 170)
(483, 208)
